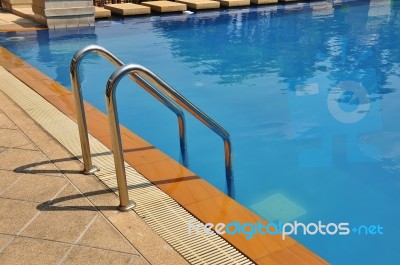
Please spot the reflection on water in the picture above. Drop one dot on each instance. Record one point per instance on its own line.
(55, 47)
(52, 48)
(327, 39)
(330, 144)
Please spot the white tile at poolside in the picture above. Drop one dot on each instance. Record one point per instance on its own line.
(278, 208)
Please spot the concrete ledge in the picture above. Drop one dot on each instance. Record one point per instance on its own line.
(233, 3)
(9, 5)
(200, 4)
(263, 2)
(165, 6)
(11, 22)
(128, 9)
(38, 10)
(18, 2)
(63, 22)
(24, 12)
(64, 14)
(72, 11)
(100, 12)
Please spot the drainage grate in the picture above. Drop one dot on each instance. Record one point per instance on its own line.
(158, 210)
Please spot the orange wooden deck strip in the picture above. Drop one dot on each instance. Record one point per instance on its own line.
(195, 194)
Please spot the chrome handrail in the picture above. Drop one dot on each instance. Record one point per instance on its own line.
(163, 93)
(89, 168)
(80, 112)
(178, 98)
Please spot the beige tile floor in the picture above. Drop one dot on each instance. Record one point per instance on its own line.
(52, 214)
(11, 22)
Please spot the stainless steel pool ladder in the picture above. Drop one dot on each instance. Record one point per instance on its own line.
(157, 88)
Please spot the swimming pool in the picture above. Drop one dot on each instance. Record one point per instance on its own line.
(308, 95)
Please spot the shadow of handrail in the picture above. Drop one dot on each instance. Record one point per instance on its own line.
(26, 168)
(49, 205)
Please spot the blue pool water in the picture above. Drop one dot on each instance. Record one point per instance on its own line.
(309, 95)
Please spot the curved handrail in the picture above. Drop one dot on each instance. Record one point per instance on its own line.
(182, 101)
(80, 112)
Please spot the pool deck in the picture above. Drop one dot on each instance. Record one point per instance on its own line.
(52, 214)
(88, 222)
(10, 22)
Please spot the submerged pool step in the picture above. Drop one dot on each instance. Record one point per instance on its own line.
(127, 9)
(278, 207)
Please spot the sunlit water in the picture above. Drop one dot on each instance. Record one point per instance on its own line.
(309, 96)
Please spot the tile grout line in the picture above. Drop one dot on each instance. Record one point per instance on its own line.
(24, 136)
(86, 228)
(7, 148)
(65, 243)
(132, 259)
(28, 223)
(22, 147)
(70, 182)
(11, 185)
(18, 148)
(8, 243)
(39, 211)
(62, 260)
(108, 221)
(99, 211)
(73, 245)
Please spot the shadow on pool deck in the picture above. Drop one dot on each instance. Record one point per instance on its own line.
(52, 214)
(10, 22)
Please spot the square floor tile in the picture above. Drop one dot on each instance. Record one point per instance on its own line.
(4, 240)
(71, 199)
(13, 138)
(5, 122)
(89, 256)
(7, 178)
(17, 159)
(36, 187)
(101, 229)
(12, 220)
(28, 251)
(59, 225)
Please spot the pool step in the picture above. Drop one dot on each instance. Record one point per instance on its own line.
(165, 6)
(127, 9)
(200, 4)
(100, 12)
(278, 207)
(234, 3)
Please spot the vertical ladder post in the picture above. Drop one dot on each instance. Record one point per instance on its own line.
(88, 167)
(116, 141)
